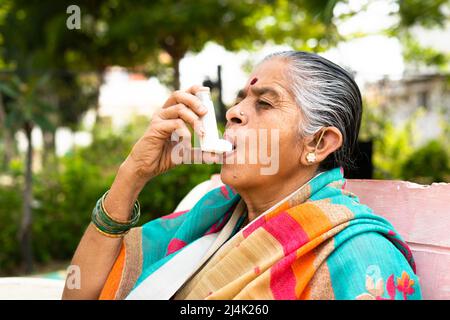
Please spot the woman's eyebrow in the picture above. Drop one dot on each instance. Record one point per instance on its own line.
(258, 91)
(241, 94)
(263, 90)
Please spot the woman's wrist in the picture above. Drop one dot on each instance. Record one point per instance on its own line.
(109, 226)
(124, 191)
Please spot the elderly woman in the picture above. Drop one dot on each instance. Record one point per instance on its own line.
(295, 233)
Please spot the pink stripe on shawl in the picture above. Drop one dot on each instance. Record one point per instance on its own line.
(224, 191)
(174, 215)
(175, 245)
(287, 231)
(282, 279)
(253, 226)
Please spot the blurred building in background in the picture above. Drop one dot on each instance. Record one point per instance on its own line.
(399, 99)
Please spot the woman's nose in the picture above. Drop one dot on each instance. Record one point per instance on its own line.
(235, 115)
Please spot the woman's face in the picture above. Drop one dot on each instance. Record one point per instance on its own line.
(266, 136)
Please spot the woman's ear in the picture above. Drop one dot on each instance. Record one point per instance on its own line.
(317, 147)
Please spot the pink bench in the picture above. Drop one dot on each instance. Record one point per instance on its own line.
(421, 214)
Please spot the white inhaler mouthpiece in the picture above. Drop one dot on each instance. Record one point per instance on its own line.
(210, 141)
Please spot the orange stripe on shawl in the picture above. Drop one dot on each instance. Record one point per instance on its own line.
(113, 281)
(314, 223)
(306, 294)
(303, 269)
(282, 207)
(311, 218)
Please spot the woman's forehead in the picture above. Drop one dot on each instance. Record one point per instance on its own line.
(270, 74)
(270, 70)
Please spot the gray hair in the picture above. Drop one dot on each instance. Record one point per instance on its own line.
(327, 96)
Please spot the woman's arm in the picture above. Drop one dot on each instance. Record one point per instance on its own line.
(150, 156)
(97, 253)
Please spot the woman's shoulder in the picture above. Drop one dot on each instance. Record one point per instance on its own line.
(369, 266)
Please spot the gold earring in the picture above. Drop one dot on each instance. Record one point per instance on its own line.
(311, 157)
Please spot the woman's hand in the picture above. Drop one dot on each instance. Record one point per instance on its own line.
(152, 154)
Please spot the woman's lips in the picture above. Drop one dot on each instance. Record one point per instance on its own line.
(228, 157)
(232, 140)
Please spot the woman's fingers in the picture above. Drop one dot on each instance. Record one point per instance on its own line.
(182, 108)
(181, 150)
(187, 98)
(181, 145)
(195, 88)
(181, 111)
(165, 128)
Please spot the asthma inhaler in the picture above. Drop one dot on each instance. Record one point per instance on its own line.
(210, 141)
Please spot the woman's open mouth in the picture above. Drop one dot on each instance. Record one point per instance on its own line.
(232, 140)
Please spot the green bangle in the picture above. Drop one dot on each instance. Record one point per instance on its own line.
(110, 226)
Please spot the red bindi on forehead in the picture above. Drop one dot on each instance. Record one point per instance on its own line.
(252, 82)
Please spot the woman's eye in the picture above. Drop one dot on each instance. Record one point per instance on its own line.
(264, 104)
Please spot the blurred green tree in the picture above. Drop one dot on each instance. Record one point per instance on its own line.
(26, 109)
(431, 13)
(430, 163)
(172, 28)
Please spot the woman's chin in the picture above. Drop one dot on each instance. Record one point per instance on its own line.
(237, 175)
(229, 174)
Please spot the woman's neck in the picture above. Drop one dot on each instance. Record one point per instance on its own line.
(263, 197)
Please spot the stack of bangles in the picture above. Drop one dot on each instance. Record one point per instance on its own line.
(110, 227)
